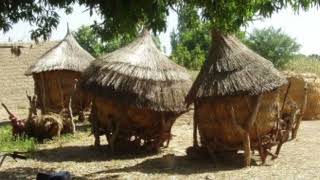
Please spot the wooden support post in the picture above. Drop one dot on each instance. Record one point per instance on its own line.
(285, 98)
(73, 125)
(165, 125)
(247, 149)
(279, 147)
(43, 94)
(195, 130)
(303, 109)
(262, 152)
(247, 128)
(61, 93)
(114, 136)
(254, 113)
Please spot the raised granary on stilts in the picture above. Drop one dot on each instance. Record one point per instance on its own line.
(236, 101)
(137, 95)
(55, 75)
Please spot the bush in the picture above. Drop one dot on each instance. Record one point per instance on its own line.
(273, 44)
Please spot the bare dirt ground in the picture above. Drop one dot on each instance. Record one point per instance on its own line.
(299, 159)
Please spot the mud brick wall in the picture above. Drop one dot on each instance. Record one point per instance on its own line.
(13, 82)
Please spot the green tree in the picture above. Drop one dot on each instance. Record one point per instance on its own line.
(192, 40)
(91, 41)
(94, 44)
(121, 17)
(273, 44)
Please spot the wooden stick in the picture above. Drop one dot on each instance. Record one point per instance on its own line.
(114, 136)
(195, 130)
(285, 98)
(6, 108)
(248, 126)
(43, 94)
(71, 116)
(303, 109)
(164, 125)
(247, 149)
(261, 150)
(61, 93)
(254, 113)
(279, 146)
(234, 121)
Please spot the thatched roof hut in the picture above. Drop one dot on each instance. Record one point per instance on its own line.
(55, 72)
(234, 91)
(312, 110)
(138, 87)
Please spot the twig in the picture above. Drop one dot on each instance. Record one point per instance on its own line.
(14, 155)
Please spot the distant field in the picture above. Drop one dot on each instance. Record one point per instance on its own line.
(303, 65)
(299, 65)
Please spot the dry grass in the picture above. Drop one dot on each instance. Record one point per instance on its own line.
(303, 65)
(298, 160)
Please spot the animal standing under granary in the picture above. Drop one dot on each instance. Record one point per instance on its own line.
(55, 74)
(137, 95)
(237, 102)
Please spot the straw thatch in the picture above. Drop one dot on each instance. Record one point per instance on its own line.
(313, 104)
(54, 74)
(54, 89)
(136, 129)
(295, 98)
(233, 69)
(138, 93)
(221, 121)
(140, 75)
(295, 88)
(66, 55)
(236, 100)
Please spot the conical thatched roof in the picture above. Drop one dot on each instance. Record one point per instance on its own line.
(66, 55)
(233, 69)
(140, 75)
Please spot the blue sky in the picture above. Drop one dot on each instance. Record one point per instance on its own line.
(305, 27)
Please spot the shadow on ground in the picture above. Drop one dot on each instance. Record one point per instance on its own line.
(19, 173)
(174, 165)
(83, 154)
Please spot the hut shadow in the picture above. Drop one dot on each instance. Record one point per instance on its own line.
(84, 154)
(27, 173)
(180, 165)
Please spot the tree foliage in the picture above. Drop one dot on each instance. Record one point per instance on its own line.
(192, 40)
(273, 44)
(91, 41)
(122, 17)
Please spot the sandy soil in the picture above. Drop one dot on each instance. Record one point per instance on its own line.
(299, 159)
